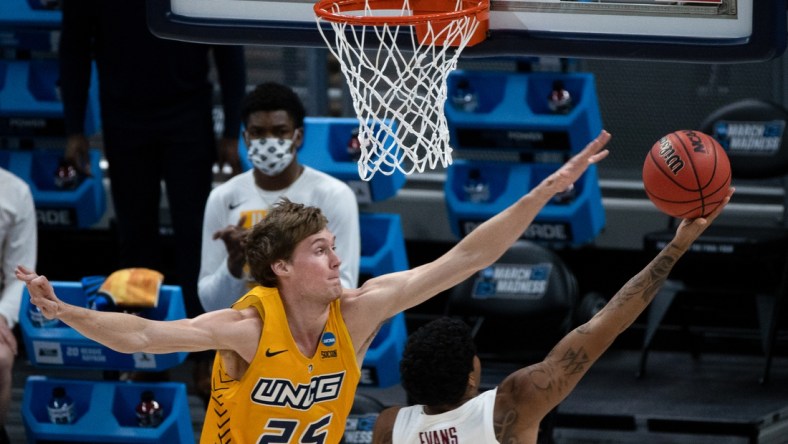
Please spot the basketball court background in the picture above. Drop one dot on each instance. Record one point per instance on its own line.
(640, 101)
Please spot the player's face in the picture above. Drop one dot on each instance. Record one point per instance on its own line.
(274, 124)
(315, 266)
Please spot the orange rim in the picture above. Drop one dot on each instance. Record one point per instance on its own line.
(325, 10)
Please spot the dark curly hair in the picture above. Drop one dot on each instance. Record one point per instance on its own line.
(272, 96)
(437, 361)
(276, 236)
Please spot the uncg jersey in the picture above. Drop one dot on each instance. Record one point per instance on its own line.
(284, 397)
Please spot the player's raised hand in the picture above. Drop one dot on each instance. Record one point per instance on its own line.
(690, 229)
(569, 172)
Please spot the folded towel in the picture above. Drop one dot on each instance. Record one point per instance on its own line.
(133, 287)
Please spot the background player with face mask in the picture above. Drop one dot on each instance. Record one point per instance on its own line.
(273, 116)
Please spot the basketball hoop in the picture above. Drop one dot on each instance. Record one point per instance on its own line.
(397, 78)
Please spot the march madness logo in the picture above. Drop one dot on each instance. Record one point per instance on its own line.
(750, 138)
(512, 281)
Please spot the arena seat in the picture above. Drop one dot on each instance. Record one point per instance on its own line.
(520, 306)
(733, 258)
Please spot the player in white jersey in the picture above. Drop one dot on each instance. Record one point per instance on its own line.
(441, 372)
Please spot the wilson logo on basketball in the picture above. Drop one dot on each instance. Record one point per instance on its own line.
(669, 155)
(687, 174)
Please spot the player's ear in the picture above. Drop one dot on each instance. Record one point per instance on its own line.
(280, 267)
(473, 385)
(298, 138)
(475, 376)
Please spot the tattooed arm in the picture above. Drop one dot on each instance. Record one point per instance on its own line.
(527, 395)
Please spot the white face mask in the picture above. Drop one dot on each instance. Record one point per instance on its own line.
(271, 155)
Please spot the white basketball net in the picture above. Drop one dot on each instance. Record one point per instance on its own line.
(399, 89)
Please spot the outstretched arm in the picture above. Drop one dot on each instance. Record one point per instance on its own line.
(535, 390)
(390, 294)
(126, 333)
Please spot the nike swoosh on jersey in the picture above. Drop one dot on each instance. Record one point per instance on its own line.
(270, 354)
(235, 205)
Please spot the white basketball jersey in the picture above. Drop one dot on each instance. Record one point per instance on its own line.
(471, 423)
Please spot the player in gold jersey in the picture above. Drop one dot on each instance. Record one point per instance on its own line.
(289, 352)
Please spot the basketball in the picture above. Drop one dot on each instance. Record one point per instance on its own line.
(687, 174)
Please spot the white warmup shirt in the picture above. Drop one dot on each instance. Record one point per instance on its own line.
(18, 241)
(241, 196)
(471, 423)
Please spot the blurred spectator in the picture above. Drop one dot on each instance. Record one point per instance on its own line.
(156, 103)
(18, 246)
(273, 117)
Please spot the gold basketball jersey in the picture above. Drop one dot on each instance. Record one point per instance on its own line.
(284, 397)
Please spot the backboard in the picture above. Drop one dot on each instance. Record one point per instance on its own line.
(713, 31)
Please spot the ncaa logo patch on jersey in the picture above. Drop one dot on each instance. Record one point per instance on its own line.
(328, 339)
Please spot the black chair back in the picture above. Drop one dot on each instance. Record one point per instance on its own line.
(523, 303)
